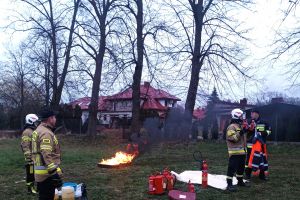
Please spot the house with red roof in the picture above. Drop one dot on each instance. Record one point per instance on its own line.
(199, 114)
(154, 102)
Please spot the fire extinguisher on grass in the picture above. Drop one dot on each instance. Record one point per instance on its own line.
(170, 179)
(204, 174)
(151, 187)
(204, 167)
(156, 184)
(191, 187)
(161, 182)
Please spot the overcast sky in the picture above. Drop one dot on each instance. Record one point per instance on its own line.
(265, 19)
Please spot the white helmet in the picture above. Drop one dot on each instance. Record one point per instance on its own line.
(236, 113)
(30, 119)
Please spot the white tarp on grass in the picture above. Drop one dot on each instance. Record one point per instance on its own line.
(213, 180)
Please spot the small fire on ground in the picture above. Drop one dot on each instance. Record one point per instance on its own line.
(121, 157)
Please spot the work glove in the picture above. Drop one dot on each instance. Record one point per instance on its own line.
(252, 125)
(28, 160)
(56, 180)
(245, 125)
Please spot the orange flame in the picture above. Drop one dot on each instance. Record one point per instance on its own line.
(119, 158)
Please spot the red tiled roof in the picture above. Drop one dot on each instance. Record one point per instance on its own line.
(82, 102)
(150, 95)
(199, 113)
(85, 102)
(146, 91)
(152, 104)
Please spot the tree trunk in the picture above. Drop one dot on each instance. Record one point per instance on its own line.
(68, 57)
(196, 63)
(93, 108)
(22, 102)
(54, 103)
(47, 78)
(135, 125)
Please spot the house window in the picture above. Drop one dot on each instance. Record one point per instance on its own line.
(162, 102)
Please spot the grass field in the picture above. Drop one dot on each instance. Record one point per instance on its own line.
(81, 155)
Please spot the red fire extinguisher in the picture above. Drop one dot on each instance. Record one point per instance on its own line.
(170, 179)
(159, 184)
(151, 188)
(191, 187)
(156, 184)
(204, 174)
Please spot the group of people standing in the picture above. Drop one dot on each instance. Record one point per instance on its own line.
(246, 142)
(42, 154)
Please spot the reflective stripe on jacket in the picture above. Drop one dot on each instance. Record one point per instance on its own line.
(26, 142)
(260, 126)
(46, 153)
(235, 141)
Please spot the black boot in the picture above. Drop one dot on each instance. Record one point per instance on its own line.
(241, 183)
(248, 172)
(262, 176)
(230, 187)
(30, 188)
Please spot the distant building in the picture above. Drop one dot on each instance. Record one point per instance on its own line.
(222, 110)
(283, 118)
(199, 114)
(84, 103)
(154, 102)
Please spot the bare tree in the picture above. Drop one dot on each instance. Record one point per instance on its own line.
(135, 8)
(17, 90)
(208, 42)
(96, 26)
(51, 20)
(287, 43)
(40, 55)
(142, 28)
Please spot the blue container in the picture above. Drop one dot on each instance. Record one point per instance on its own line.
(74, 185)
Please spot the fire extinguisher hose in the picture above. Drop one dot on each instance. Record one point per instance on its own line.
(198, 156)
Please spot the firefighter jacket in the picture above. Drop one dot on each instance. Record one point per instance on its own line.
(46, 153)
(261, 128)
(236, 140)
(26, 142)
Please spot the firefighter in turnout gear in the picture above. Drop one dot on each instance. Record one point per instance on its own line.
(236, 143)
(46, 156)
(31, 121)
(256, 147)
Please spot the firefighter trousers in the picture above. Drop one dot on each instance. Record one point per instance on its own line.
(46, 189)
(236, 165)
(29, 175)
(248, 170)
